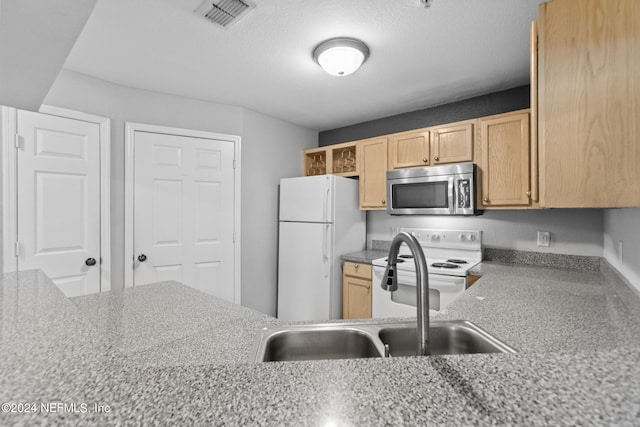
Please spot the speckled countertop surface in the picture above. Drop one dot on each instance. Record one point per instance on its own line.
(364, 257)
(167, 354)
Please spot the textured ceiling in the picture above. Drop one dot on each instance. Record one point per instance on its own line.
(420, 57)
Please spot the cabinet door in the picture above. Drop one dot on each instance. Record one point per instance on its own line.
(361, 271)
(589, 103)
(373, 174)
(505, 160)
(409, 149)
(452, 144)
(356, 298)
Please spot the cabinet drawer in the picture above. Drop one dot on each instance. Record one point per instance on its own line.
(362, 271)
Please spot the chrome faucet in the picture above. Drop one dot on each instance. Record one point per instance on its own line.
(390, 283)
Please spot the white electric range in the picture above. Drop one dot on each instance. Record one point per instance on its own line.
(450, 255)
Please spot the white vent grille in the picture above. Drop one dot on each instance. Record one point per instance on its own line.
(224, 12)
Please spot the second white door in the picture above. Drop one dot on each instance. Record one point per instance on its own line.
(184, 212)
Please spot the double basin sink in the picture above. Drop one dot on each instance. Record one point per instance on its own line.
(362, 340)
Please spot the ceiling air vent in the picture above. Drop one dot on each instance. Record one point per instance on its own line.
(224, 12)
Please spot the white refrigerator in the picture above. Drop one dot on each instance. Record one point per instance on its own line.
(320, 220)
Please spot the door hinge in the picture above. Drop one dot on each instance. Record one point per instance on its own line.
(17, 249)
(17, 141)
(234, 163)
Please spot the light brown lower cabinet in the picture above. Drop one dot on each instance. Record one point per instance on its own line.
(356, 291)
(471, 279)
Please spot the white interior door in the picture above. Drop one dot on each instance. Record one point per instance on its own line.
(184, 212)
(58, 200)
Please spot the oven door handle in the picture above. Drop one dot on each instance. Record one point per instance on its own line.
(439, 284)
(409, 279)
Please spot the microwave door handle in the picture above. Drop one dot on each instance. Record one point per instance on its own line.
(452, 192)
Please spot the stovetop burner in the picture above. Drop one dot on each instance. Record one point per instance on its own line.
(406, 256)
(457, 261)
(444, 265)
(398, 260)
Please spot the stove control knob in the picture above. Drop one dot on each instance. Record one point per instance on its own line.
(462, 237)
(471, 237)
(435, 236)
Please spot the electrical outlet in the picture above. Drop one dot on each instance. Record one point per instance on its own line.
(543, 238)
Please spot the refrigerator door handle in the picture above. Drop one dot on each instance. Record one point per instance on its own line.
(325, 250)
(325, 203)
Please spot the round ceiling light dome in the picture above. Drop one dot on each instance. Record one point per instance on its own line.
(341, 56)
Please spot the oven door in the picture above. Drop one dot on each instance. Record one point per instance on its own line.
(429, 195)
(443, 290)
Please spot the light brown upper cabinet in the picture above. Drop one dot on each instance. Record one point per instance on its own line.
(452, 143)
(589, 103)
(504, 159)
(373, 173)
(409, 149)
(337, 159)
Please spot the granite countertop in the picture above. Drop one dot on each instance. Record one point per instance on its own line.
(365, 256)
(167, 354)
(378, 249)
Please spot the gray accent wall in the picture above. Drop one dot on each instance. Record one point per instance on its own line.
(494, 103)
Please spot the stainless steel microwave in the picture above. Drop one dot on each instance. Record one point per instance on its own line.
(435, 190)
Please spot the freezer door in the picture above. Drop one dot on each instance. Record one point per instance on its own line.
(307, 198)
(304, 271)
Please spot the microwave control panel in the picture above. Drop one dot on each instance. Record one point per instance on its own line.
(464, 193)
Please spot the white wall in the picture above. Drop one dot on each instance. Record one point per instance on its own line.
(272, 149)
(573, 231)
(35, 39)
(90, 95)
(623, 225)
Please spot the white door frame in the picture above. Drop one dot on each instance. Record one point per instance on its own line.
(10, 189)
(130, 129)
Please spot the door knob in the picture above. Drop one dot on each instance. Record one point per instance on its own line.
(142, 257)
(436, 158)
(90, 261)
(425, 160)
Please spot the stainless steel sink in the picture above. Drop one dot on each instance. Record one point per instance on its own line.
(451, 337)
(319, 343)
(361, 340)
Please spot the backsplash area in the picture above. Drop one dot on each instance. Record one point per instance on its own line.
(572, 262)
(572, 231)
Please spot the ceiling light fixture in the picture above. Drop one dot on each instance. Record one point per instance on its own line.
(341, 56)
